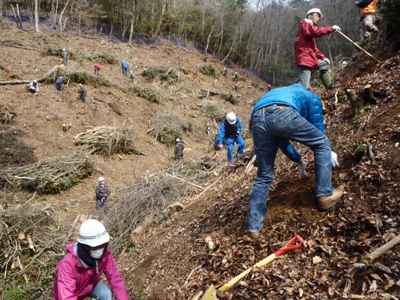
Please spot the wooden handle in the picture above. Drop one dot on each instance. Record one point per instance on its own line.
(231, 283)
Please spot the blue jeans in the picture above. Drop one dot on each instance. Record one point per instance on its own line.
(125, 70)
(270, 126)
(101, 292)
(230, 145)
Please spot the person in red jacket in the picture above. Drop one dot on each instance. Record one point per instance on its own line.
(308, 56)
(79, 273)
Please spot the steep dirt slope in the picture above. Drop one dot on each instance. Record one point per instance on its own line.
(173, 261)
(41, 116)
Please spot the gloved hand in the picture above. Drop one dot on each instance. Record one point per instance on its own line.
(334, 160)
(303, 169)
(336, 28)
(219, 146)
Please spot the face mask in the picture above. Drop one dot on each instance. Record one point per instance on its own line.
(97, 254)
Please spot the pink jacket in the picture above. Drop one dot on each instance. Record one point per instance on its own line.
(75, 282)
(307, 52)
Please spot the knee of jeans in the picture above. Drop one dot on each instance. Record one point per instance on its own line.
(105, 293)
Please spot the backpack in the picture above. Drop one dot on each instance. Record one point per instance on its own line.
(363, 3)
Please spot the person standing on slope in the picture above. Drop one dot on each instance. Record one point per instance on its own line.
(283, 114)
(308, 56)
(368, 10)
(79, 273)
(230, 133)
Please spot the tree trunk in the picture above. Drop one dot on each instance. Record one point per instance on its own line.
(19, 16)
(131, 29)
(37, 16)
(55, 15)
(60, 24)
(157, 31)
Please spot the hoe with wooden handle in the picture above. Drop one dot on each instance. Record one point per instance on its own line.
(295, 243)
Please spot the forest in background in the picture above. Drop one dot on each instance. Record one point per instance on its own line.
(256, 34)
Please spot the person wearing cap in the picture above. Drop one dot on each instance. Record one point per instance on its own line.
(179, 148)
(308, 56)
(368, 9)
(33, 86)
(125, 67)
(82, 93)
(65, 54)
(97, 69)
(78, 274)
(102, 192)
(280, 115)
(230, 133)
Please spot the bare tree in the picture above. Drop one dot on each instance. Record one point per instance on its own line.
(37, 16)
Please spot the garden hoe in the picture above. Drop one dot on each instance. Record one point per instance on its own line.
(295, 243)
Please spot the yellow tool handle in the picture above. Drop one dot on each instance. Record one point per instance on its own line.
(231, 283)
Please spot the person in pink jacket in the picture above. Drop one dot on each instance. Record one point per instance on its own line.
(308, 56)
(79, 273)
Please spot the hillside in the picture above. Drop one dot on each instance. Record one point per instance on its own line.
(168, 255)
(36, 131)
(176, 261)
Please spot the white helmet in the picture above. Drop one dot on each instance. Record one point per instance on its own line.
(101, 178)
(177, 140)
(231, 118)
(314, 11)
(93, 233)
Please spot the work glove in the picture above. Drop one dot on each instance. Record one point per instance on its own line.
(334, 160)
(303, 169)
(219, 147)
(336, 28)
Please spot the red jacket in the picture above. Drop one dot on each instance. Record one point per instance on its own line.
(307, 53)
(75, 282)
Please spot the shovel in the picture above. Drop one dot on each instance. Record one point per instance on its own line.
(295, 243)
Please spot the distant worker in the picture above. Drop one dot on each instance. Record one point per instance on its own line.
(59, 83)
(125, 68)
(308, 56)
(179, 148)
(102, 192)
(82, 93)
(368, 10)
(284, 114)
(78, 275)
(230, 133)
(33, 86)
(97, 69)
(65, 54)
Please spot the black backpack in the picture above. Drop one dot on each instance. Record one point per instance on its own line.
(363, 3)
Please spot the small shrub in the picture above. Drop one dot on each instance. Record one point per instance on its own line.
(168, 127)
(153, 72)
(147, 93)
(208, 70)
(213, 111)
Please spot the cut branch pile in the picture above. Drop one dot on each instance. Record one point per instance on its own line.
(30, 245)
(107, 140)
(104, 58)
(168, 126)
(148, 201)
(49, 176)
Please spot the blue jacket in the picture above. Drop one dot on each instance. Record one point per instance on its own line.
(306, 103)
(225, 130)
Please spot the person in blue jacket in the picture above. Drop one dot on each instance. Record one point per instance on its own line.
(125, 68)
(283, 114)
(230, 133)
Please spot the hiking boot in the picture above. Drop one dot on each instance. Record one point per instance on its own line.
(328, 202)
(253, 234)
(231, 164)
